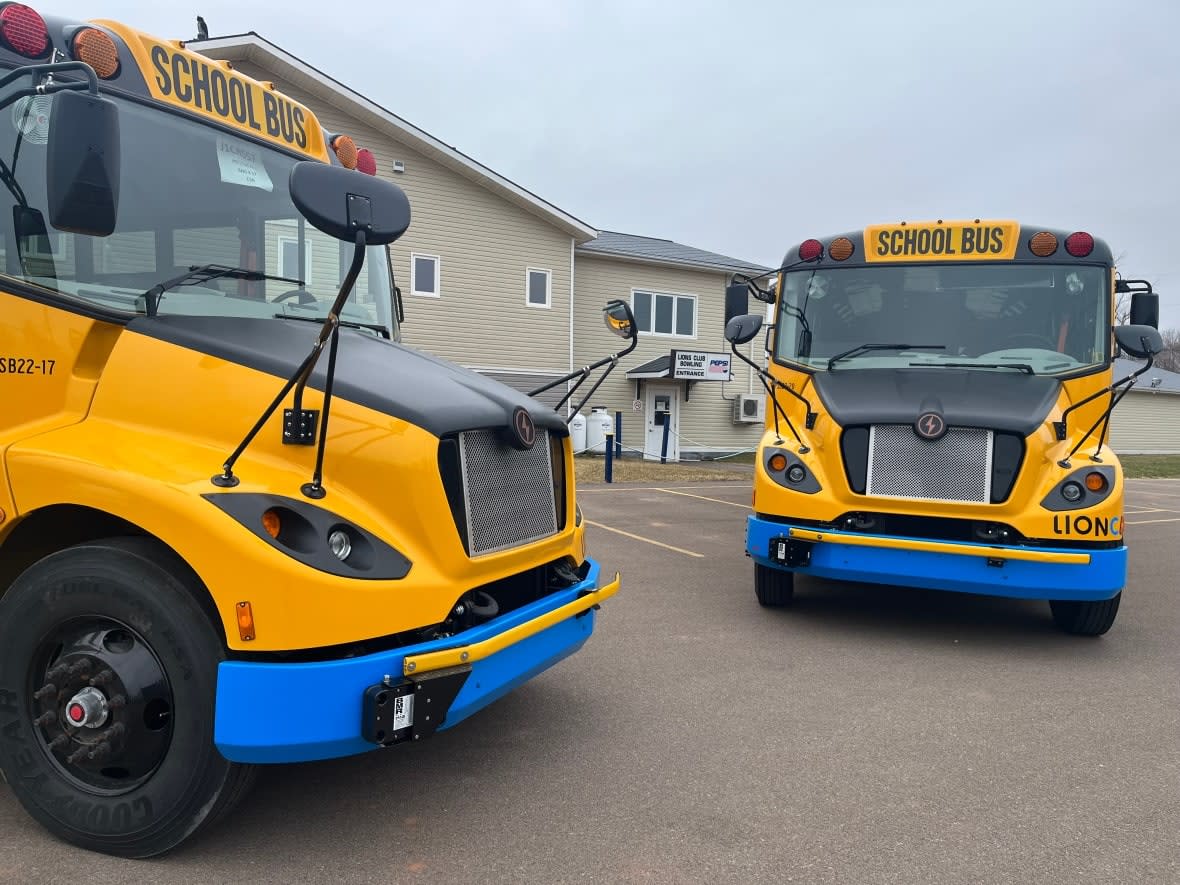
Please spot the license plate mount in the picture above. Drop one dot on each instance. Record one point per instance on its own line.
(790, 552)
(410, 709)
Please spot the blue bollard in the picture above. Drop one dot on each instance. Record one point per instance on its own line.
(618, 434)
(664, 445)
(610, 452)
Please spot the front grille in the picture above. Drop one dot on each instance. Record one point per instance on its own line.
(955, 467)
(507, 492)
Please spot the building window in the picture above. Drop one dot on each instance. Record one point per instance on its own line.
(537, 287)
(663, 313)
(289, 260)
(424, 275)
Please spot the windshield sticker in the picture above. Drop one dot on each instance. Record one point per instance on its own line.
(30, 117)
(241, 164)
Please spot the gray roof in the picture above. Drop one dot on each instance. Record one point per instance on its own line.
(660, 365)
(1169, 381)
(650, 249)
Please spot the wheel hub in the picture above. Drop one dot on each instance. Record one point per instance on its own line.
(88, 709)
(102, 704)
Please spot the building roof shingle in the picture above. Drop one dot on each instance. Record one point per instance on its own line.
(656, 251)
(1153, 379)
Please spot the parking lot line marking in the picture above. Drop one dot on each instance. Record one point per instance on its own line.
(1147, 521)
(585, 491)
(1154, 494)
(646, 540)
(704, 498)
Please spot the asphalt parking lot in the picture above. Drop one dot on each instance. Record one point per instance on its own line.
(867, 734)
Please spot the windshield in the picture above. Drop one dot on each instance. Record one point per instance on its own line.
(1047, 319)
(190, 195)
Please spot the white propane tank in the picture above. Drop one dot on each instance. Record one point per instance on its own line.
(578, 432)
(597, 426)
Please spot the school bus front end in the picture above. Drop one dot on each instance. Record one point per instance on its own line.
(943, 391)
(240, 522)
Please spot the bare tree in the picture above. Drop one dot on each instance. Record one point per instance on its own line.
(1169, 357)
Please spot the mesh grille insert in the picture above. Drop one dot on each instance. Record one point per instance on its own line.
(955, 467)
(508, 492)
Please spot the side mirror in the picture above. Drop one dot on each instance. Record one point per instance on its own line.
(341, 201)
(1139, 341)
(82, 164)
(619, 319)
(737, 301)
(1145, 309)
(741, 329)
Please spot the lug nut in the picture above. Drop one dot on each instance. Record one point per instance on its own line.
(45, 719)
(48, 690)
(58, 742)
(102, 677)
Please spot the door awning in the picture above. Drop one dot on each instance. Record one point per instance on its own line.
(660, 367)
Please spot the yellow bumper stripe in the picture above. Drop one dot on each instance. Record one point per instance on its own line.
(469, 654)
(942, 547)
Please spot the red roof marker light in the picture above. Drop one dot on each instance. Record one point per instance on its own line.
(811, 250)
(1079, 244)
(24, 30)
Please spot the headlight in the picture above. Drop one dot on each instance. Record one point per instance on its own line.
(1071, 492)
(340, 544)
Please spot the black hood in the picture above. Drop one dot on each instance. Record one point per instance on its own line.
(387, 377)
(997, 400)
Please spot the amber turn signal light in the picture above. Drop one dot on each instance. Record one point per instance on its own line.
(778, 462)
(245, 621)
(271, 524)
(1096, 482)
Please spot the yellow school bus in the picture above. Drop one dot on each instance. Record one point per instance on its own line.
(240, 522)
(938, 401)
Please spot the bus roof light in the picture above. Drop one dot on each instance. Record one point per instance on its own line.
(1079, 244)
(1043, 244)
(841, 249)
(811, 250)
(345, 149)
(97, 49)
(366, 162)
(24, 30)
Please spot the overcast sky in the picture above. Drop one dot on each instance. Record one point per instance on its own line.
(747, 125)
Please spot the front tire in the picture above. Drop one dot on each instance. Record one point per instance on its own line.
(774, 587)
(1085, 618)
(108, 669)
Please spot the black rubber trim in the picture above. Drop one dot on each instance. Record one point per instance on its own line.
(854, 450)
(304, 536)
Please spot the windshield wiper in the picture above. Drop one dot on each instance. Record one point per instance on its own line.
(866, 348)
(1023, 367)
(372, 327)
(203, 273)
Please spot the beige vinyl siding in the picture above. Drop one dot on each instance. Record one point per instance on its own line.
(1146, 422)
(485, 243)
(706, 419)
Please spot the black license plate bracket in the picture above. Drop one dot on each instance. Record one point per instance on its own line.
(410, 709)
(790, 552)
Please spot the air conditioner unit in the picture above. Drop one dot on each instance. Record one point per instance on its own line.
(749, 408)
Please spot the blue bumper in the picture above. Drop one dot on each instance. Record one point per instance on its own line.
(1101, 578)
(302, 712)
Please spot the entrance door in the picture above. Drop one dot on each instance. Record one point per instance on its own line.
(662, 407)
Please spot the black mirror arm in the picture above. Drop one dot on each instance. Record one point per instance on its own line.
(613, 361)
(330, 330)
(35, 88)
(1117, 391)
(767, 381)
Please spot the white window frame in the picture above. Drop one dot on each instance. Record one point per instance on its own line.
(528, 273)
(675, 307)
(437, 293)
(294, 241)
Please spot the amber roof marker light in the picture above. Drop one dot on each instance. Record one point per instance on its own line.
(1043, 244)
